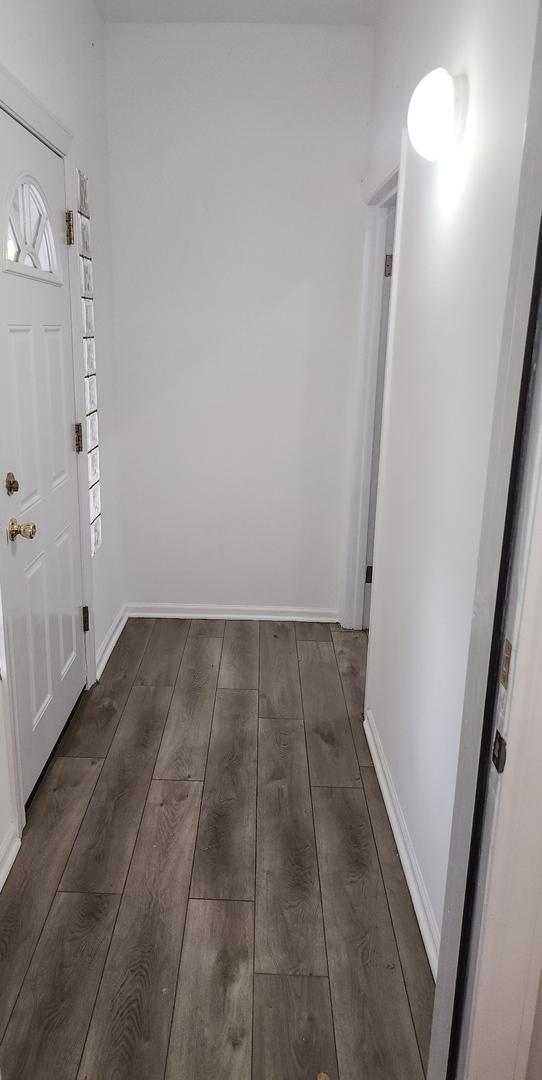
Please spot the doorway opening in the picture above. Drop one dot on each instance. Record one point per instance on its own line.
(379, 253)
(389, 207)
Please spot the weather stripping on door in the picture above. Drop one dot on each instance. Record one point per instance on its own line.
(27, 529)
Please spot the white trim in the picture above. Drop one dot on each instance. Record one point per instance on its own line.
(8, 850)
(27, 110)
(364, 402)
(104, 650)
(509, 961)
(385, 191)
(200, 611)
(409, 861)
(364, 399)
(228, 611)
(80, 414)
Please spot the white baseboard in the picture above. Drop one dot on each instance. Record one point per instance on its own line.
(103, 652)
(420, 898)
(136, 610)
(227, 611)
(8, 850)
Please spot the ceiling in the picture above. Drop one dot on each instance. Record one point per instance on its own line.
(327, 12)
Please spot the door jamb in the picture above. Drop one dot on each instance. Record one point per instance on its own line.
(509, 827)
(27, 110)
(374, 251)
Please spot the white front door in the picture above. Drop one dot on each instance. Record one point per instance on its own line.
(41, 577)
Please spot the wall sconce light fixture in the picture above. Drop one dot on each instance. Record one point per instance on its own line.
(437, 113)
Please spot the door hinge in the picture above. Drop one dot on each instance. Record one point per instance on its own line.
(499, 752)
(388, 266)
(505, 666)
(78, 438)
(369, 575)
(86, 619)
(70, 228)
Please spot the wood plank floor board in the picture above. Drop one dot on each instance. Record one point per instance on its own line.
(373, 1026)
(224, 859)
(239, 667)
(211, 1035)
(101, 854)
(293, 1029)
(417, 972)
(127, 654)
(95, 721)
(332, 757)
(47, 1030)
(162, 657)
(360, 742)
(129, 1033)
(280, 692)
(289, 926)
(351, 651)
(53, 818)
(207, 628)
(323, 698)
(183, 752)
(234, 804)
(92, 728)
(313, 631)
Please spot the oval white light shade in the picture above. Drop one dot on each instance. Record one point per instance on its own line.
(436, 114)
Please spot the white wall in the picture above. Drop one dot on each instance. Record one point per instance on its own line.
(535, 1056)
(450, 284)
(57, 50)
(236, 160)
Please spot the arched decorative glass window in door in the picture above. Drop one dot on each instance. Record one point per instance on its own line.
(30, 243)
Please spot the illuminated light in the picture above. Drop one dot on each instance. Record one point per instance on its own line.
(437, 114)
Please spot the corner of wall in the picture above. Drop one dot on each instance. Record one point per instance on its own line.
(110, 638)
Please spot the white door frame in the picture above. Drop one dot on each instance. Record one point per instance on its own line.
(18, 102)
(508, 963)
(374, 251)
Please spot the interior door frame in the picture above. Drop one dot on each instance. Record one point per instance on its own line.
(372, 282)
(27, 110)
(504, 971)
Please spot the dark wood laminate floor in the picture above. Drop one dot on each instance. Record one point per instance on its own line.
(208, 885)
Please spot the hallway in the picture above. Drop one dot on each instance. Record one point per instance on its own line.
(208, 884)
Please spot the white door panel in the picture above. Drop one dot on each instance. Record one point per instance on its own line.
(41, 577)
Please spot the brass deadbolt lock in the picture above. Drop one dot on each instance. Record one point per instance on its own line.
(12, 485)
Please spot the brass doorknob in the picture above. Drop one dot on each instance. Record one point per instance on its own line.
(24, 528)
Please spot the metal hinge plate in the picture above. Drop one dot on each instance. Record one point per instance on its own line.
(369, 575)
(70, 228)
(86, 619)
(499, 752)
(78, 438)
(505, 667)
(388, 266)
